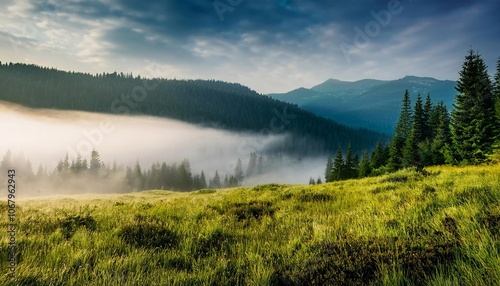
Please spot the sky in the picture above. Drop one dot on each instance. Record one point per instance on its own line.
(268, 45)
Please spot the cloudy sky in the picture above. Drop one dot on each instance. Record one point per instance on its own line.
(268, 45)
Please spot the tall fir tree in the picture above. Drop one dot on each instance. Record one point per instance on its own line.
(216, 183)
(427, 114)
(252, 165)
(238, 171)
(411, 156)
(401, 133)
(496, 89)
(350, 164)
(338, 167)
(474, 120)
(95, 163)
(364, 169)
(203, 180)
(329, 168)
(441, 142)
(377, 156)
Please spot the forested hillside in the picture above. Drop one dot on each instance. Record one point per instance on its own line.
(210, 103)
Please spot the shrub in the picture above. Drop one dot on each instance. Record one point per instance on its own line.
(179, 263)
(428, 190)
(214, 242)
(360, 261)
(482, 194)
(380, 189)
(491, 221)
(268, 187)
(253, 209)
(314, 197)
(396, 178)
(72, 223)
(149, 235)
(205, 191)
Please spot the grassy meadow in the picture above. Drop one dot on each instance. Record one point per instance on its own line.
(439, 227)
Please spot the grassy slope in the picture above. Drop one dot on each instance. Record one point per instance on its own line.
(399, 229)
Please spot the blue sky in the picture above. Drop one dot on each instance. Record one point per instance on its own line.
(268, 45)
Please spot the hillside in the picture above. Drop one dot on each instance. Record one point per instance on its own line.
(372, 104)
(441, 227)
(210, 103)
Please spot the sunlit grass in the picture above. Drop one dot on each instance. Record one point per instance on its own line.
(440, 227)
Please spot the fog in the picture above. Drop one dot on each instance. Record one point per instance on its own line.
(44, 137)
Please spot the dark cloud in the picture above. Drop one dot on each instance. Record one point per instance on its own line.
(275, 36)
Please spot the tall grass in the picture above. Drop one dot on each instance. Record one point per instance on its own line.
(441, 227)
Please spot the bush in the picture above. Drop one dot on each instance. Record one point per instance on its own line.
(396, 178)
(214, 242)
(482, 194)
(428, 190)
(72, 223)
(314, 197)
(149, 235)
(205, 191)
(179, 263)
(491, 221)
(380, 189)
(360, 261)
(253, 209)
(246, 211)
(268, 187)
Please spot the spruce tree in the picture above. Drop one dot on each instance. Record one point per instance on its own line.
(349, 165)
(215, 183)
(411, 155)
(260, 164)
(329, 168)
(474, 121)
(364, 169)
(238, 171)
(401, 133)
(252, 165)
(496, 89)
(377, 159)
(338, 167)
(441, 141)
(95, 163)
(427, 114)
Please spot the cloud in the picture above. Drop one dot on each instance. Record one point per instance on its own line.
(271, 46)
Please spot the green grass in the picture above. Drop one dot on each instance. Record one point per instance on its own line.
(441, 227)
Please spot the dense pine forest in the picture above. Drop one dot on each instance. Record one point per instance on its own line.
(205, 102)
(428, 134)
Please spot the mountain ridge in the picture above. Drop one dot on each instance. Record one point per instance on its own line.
(368, 103)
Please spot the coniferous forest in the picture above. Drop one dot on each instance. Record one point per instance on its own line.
(427, 134)
(209, 103)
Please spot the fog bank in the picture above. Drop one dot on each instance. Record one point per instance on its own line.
(45, 136)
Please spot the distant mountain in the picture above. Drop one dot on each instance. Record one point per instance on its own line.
(209, 103)
(368, 103)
